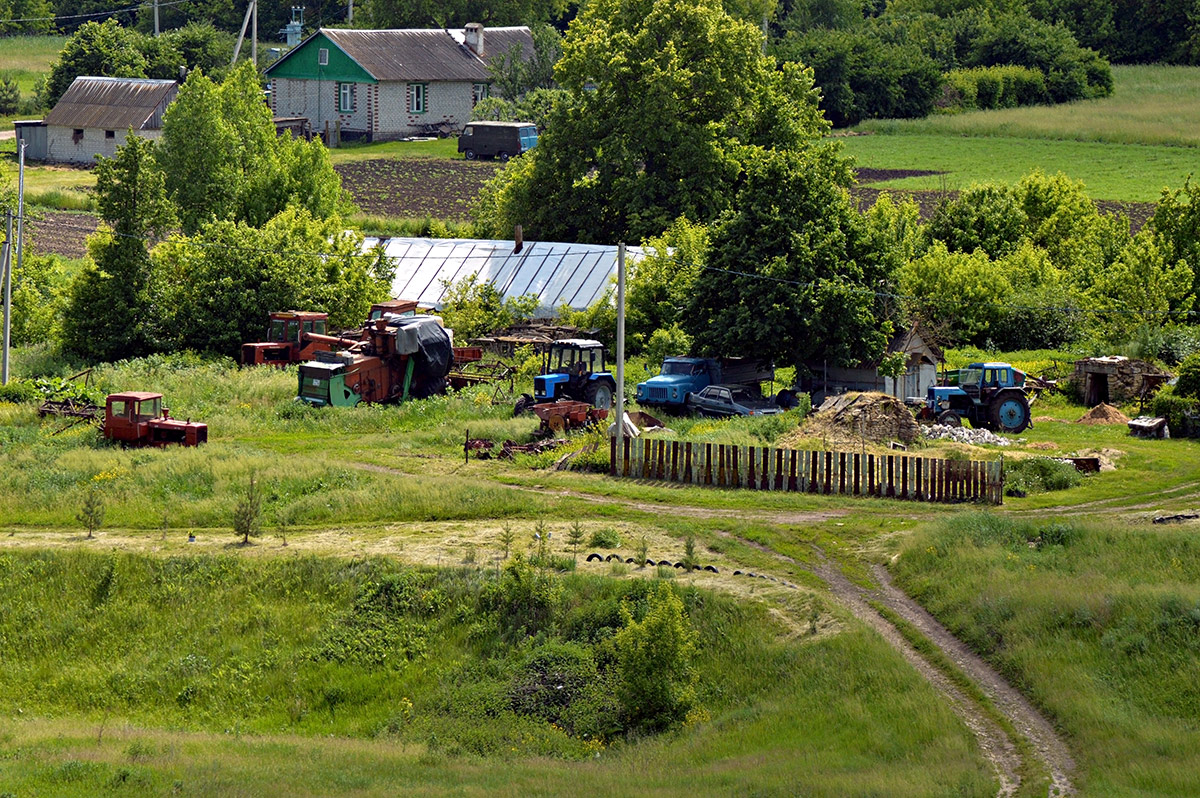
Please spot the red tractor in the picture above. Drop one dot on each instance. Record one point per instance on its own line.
(138, 418)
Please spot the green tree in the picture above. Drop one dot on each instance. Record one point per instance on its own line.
(473, 307)
(110, 313)
(656, 677)
(662, 131)
(661, 282)
(247, 513)
(574, 538)
(957, 292)
(10, 94)
(792, 273)
(514, 74)
(223, 159)
(103, 49)
(91, 514)
(1140, 288)
(218, 286)
(1176, 228)
(986, 216)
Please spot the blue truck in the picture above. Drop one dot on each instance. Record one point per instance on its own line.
(680, 376)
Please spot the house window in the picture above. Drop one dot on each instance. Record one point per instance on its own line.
(323, 56)
(479, 92)
(77, 135)
(346, 98)
(417, 97)
(110, 134)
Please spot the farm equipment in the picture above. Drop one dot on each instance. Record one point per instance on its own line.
(294, 336)
(399, 357)
(990, 395)
(559, 416)
(471, 369)
(138, 418)
(574, 369)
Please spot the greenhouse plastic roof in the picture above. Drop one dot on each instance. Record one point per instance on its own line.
(572, 274)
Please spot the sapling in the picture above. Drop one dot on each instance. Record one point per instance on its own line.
(91, 515)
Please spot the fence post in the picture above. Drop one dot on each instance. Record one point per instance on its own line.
(687, 462)
(779, 469)
(903, 476)
(674, 461)
(625, 456)
(920, 486)
(612, 456)
(708, 475)
(857, 473)
(662, 454)
(765, 481)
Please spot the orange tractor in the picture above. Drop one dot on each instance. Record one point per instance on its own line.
(138, 418)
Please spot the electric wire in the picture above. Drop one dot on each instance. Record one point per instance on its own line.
(164, 4)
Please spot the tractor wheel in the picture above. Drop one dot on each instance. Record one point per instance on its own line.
(599, 394)
(523, 404)
(1010, 412)
(786, 399)
(950, 419)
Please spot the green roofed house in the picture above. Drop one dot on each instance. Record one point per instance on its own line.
(390, 84)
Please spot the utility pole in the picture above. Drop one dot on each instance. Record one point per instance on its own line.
(349, 11)
(156, 17)
(620, 353)
(251, 11)
(7, 266)
(254, 35)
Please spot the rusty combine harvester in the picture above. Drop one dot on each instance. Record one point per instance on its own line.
(398, 358)
(138, 418)
(294, 336)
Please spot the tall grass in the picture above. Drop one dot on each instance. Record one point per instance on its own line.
(263, 662)
(1100, 625)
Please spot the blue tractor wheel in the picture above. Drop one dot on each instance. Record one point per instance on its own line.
(1010, 412)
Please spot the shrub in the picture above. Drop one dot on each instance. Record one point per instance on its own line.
(656, 679)
(1039, 475)
(1188, 383)
(607, 538)
(20, 392)
(1175, 409)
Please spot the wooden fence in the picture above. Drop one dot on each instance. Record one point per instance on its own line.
(899, 476)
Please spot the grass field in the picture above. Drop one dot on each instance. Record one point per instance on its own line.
(25, 59)
(1126, 147)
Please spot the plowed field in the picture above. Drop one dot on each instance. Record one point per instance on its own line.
(416, 188)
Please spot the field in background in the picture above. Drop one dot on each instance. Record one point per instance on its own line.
(1127, 147)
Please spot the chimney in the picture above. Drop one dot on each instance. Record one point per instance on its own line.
(473, 34)
(518, 239)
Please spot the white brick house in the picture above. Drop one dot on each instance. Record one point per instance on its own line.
(95, 115)
(388, 84)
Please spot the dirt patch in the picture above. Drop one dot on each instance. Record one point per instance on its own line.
(867, 175)
(436, 188)
(851, 417)
(60, 233)
(1103, 414)
(1044, 446)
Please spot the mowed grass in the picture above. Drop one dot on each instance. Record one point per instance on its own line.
(1098, 623)
(26, 58)
(1127, 147)
(1121, 172)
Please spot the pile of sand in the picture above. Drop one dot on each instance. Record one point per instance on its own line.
(1104, 414)
(850, 417)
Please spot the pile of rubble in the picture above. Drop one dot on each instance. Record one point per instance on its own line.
(855, 416)
(1103, 413)
(943, 432)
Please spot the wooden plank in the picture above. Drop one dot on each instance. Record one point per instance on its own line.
(870, 475)
(687, 462)
(737, 471)
(920, 486)
(779, 469)
(842, 472)
(903, 476)
(891, 476)
(646, 458)
(674, 461)
(857, 474)
(625, 457)
(612, 456)
(661, 471)
(708, 472)
(792, 483)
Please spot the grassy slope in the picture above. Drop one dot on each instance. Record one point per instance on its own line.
(1127, 147)
(25, 59)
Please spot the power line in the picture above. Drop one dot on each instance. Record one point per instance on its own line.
(605, 249)
(94, 13)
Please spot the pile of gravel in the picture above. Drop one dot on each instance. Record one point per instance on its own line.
(941, 432)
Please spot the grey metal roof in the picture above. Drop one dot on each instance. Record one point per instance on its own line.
(572, 274)
(113, 103)
(424, 54)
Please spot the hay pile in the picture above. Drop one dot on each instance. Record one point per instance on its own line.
(850, 417)
(1104, 414)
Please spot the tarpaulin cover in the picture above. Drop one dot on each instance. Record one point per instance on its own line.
(424, 338)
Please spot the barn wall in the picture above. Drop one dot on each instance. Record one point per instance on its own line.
(62, 148)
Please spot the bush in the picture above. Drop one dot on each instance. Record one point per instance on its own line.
(607, 538)
(1188, 383)
(20, 392)
(1175, 409)
(657, 682)
(1039, 475)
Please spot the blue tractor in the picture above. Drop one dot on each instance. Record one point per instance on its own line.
(572, 368)
(989, 395)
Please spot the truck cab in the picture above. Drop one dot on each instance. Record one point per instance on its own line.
(678, 377)
(500, 140)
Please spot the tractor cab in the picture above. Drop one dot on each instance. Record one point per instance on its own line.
(138, 418)
(287, 341)
(574, 368)
(393, 307)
